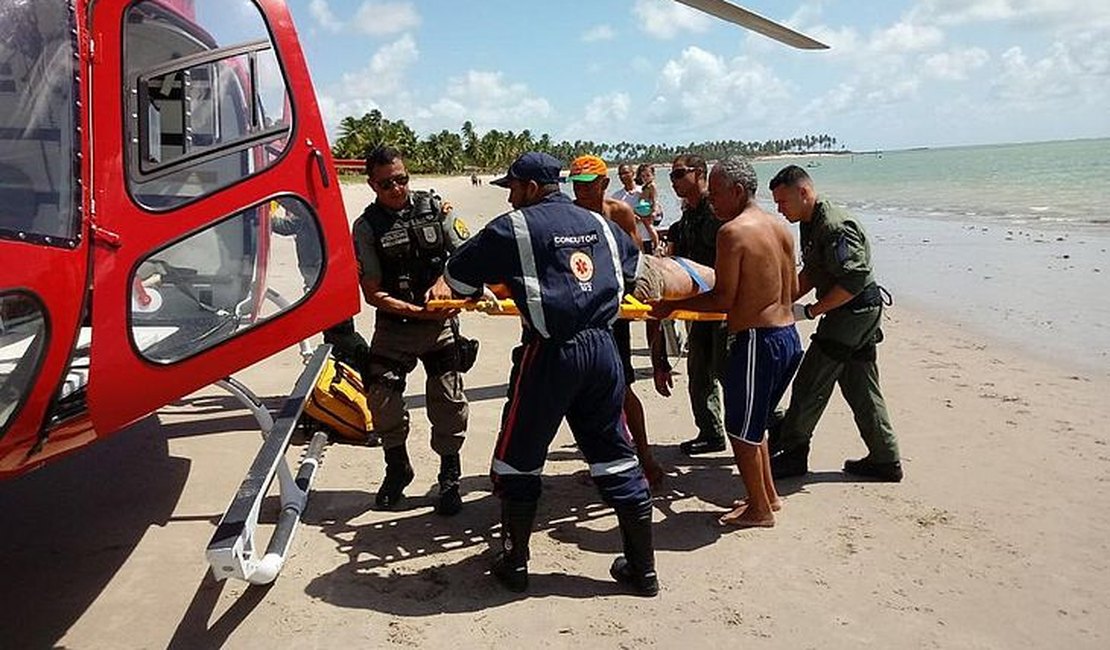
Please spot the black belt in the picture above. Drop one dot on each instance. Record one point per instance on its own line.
(872, 296)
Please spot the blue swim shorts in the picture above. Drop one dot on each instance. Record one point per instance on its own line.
(761, 363)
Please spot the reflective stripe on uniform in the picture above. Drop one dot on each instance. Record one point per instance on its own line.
(533, 296)
(614, 253)
(613, 467)
(501, 468)
(458, 286)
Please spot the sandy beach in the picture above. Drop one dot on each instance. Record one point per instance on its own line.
(998, 537)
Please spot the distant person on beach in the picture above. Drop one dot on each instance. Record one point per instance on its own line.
(645, 227)
(589, 176)
(836, 262)
(649, 200)
(566, 268)
(402, 241)
(694, 236)
(756, 283)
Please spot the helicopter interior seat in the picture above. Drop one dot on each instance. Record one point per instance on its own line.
(78, 375)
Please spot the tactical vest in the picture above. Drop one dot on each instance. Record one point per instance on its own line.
(412, 246)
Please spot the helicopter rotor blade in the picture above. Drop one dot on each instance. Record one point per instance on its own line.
(756, 23)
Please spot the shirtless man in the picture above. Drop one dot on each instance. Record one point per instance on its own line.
(755, 284)
(589, 176)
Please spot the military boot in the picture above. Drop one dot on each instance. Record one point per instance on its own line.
(787, 463)
(511, 566)
(450, 502)
(398, 474)
(636, 568)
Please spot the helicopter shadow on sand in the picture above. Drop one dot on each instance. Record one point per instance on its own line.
(72, 525)
(387, 567)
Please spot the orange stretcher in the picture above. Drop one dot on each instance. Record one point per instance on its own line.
(631, 309)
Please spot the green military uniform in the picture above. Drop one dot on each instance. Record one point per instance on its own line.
(405, 251)
(694, 236)
(835, 252)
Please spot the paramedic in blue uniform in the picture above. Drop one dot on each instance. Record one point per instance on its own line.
(566, 268)
(401, 241)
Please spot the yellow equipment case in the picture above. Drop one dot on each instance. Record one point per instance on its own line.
(338, 403)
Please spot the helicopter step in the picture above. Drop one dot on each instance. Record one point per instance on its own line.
(232, 552)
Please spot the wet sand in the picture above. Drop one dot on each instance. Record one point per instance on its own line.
(997, 537)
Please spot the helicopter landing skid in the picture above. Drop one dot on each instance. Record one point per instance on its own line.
(231, 553)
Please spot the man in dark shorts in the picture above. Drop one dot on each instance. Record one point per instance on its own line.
(755, 284)
(589, 177)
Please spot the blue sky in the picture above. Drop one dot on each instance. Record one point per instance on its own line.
(900, 74)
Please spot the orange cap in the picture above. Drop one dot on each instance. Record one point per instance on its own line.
(587, 168)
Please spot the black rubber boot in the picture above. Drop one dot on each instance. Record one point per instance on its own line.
(398, 474)
(636, 568)
(511, 566)
(450, 470)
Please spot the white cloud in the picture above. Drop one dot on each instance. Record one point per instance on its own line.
(599, 33)
(956, 64)
(386, 71)
(324, 16)
(1028, 84)
(666, 18)
(383, 18)
(700, 90)
(904, 36)
(1042, 13)
(488, 101)
(379, 84)
(604, 110)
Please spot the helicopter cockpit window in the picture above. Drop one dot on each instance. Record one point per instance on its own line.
(207, 101)
(22, 343)
(38, 117)
(208, 287)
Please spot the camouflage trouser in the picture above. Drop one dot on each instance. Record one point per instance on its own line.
(842, 352)
(394, 351)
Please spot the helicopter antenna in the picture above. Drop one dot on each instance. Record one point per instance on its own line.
(756, 23)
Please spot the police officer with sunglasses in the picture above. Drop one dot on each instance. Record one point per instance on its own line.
(402, 241)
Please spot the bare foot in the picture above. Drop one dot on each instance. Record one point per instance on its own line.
(741, 517)
(775, 505)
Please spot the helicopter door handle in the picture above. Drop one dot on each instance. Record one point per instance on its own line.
(106, 237)
(321, 166)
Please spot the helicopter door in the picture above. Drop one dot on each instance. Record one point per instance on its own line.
(45, 259)
(222, 237)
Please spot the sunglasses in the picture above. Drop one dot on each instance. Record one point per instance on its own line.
(679, 172)
(393, 181)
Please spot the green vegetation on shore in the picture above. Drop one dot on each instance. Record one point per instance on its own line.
(451, 153)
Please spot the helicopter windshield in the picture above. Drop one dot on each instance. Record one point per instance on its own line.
(38, 144)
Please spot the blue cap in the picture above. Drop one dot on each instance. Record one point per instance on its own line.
(532, 166)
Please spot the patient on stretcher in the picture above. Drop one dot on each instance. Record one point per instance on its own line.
(671, 278)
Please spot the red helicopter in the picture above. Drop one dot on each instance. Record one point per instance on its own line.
(152, 153)
(156, 158)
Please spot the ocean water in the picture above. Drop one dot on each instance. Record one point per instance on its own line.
(1045, 184)
(1009, 241)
